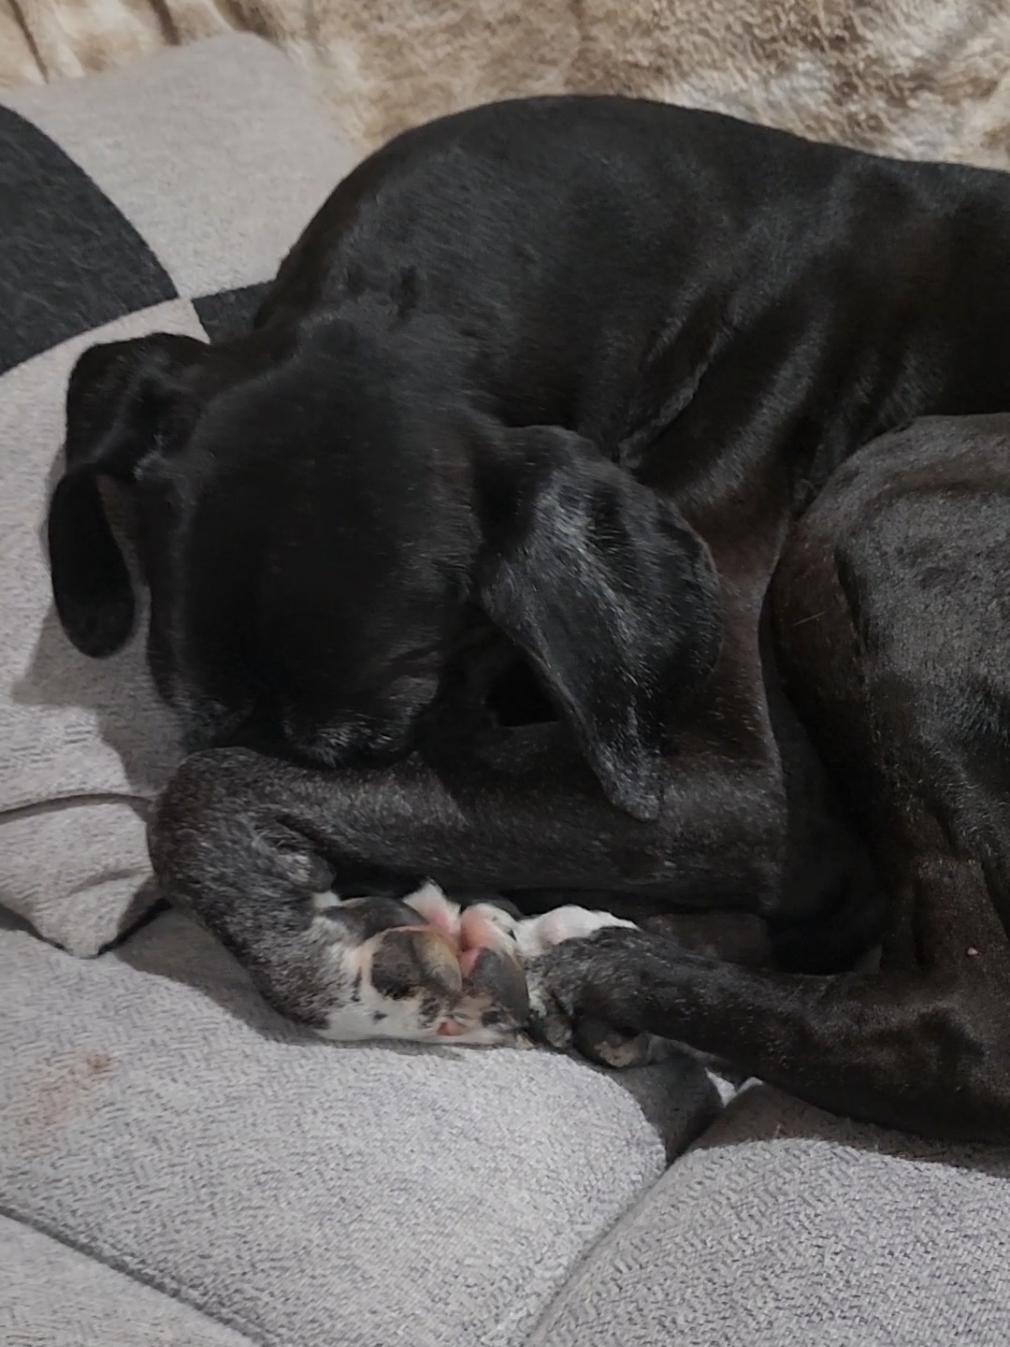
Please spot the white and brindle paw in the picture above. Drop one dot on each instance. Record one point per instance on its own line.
(424, 969)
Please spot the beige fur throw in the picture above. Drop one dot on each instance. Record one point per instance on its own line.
(917, 78)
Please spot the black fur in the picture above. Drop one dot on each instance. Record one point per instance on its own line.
(544, 386)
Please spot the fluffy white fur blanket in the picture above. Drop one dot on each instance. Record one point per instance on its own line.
(922, 80)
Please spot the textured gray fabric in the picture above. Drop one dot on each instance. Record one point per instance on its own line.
(78, 869)
(785, 1227)
(85, 741)
(53, 1296)
(217, 153)
(156, 1114)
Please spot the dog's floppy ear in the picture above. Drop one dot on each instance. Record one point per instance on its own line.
(608, 591)
(116, 401)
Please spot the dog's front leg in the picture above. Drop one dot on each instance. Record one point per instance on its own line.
(925, 1052)
(230, 815)
(272, 857)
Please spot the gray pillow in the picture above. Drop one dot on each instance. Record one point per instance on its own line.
(160, 196)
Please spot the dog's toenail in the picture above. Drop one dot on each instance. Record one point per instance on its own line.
(502, 979)
(410, 959)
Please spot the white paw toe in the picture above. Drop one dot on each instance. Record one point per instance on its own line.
(538, 934)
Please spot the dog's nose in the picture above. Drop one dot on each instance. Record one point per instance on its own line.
(263, 733)
(258, 734)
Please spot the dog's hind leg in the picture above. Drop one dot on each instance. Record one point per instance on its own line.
(894, 633)
(925, 1050)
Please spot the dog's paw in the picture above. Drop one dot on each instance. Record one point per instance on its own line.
(561, 949)
(421, 969)
(424, 969)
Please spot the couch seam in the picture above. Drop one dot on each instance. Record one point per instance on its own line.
(624, 1217)
(135, 1272)
(54, 803)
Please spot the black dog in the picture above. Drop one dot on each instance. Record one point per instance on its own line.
(531, 408)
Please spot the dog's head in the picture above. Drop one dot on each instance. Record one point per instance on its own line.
(321, 536)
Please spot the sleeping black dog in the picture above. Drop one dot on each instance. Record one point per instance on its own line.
(461, 565)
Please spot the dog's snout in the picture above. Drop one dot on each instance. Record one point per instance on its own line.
(345, 742)
(253, 726)
(297, 737)
(237, 728)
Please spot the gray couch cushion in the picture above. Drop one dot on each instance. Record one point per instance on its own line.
(53, 1296)
(156, 1114)
(217, 154)
(130, 202)
(786, 1227)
